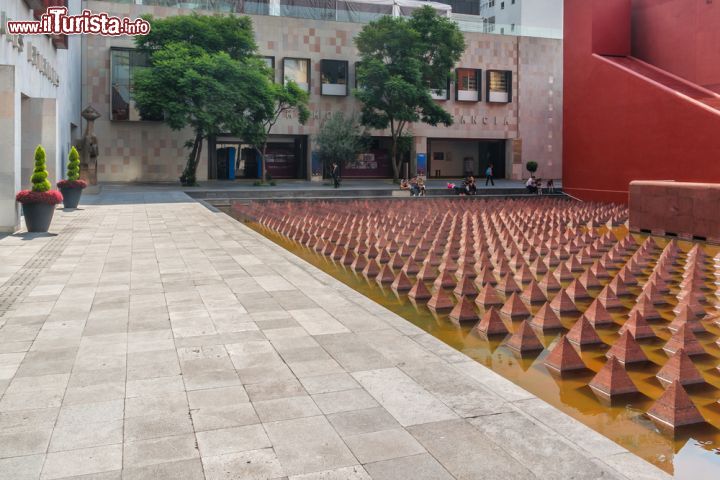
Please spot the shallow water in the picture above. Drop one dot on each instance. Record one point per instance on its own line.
(692, 453)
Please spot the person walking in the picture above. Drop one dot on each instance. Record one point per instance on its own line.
(489, 175)
(335, 174)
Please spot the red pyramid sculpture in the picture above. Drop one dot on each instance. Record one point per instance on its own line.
(533, 294)
(371, 269)
(563, 273)
(396, 262)
(514, 307)
(464, 311)
(674, 408)
(619, 287)
(679, 367)
(582, 333)
(563, 303)
(524, 339)
(564, 358)
(589, 280)
(599, 270)
(645, 306)
(427, 272)
(508, 285)
(627, 350)
(359, 263)
(491, 323)
(546, 319)
(597, 315)
(401, 283)
(386, 275)
(684, 338)
(611, 380)
(549, 284)
(444, 280)
(465, 288)
(440, 301)
(419, 291)
(637, 326)
(488, 296)
(411, 267)
(608, 298)
(686, 317)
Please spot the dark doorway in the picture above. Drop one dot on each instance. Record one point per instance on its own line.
(492, 151)
(459, 157)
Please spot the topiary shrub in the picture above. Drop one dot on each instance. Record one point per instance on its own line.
(40, 174)
(73, 172)
(40, 191)
(531, 166)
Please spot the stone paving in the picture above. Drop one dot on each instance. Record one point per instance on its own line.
(161, 339)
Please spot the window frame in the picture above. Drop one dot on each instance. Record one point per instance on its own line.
(272, 65)
(508, 81)
(309, 71)
(346, 64)
(111, 78)
(478, 82)
(434, 96)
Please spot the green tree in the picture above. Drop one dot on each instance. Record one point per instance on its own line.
(340, 139)
(39, 180)
(401, 61)
(285, 98)
(204, 74)
(73, 165)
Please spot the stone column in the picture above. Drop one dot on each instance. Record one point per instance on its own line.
(419, 149)
(10, 140)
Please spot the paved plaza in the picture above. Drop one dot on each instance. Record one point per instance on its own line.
(151, 337)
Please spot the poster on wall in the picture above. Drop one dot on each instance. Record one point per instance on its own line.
(422, 164)
(373, 164)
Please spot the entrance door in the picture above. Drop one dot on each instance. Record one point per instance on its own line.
(492, 152)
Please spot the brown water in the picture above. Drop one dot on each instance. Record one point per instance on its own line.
(693, 452)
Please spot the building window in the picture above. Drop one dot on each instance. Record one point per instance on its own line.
(334, 77)
(124, 65)
(270, 62)
(489, 24)
(512, 27)
(467, 84)
(499, 86)
(298, 70)
(502, 5)
(441, 94)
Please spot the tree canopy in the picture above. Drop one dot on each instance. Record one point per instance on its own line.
(205, 74)
(340, 139)
(401, 61)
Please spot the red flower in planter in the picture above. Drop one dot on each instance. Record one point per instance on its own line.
(72, 184)
(51, 197)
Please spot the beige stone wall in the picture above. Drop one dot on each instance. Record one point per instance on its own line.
(147, 151)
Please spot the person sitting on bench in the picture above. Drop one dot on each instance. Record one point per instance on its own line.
(531, 185)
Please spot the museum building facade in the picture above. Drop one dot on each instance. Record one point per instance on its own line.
(505, 98)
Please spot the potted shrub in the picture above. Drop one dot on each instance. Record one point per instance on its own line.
(531, 167)
(72, 188)
(38, 204)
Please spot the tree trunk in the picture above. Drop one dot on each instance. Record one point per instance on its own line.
(263, 164)
(396, 167)
(189, 175)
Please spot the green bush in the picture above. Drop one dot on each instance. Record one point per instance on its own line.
(40, 174)
(73, 166)
(531, 166)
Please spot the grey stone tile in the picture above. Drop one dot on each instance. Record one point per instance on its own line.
(308, 445)
(268, 390)
(407, 401)
(212, 418)
(159, 450)
(329, 383)
(153, 387)
(633, 467)
(84, 435)
(344, 400)
(467, 453)
(160, 405)
(30, 400)
(417, 467)
(315, 367)
(383, 445)
(211, 379)
(153, 370)
(24, 442)
(91, 412)
(252, 465)
(317, 321)
(356, 472)
(217, 397)
(27, 420)
(155, 426)
(181, 470)
(353, 353)
(493, 381)
(230, 440)
(82, 462)
(286, 408)
(357, 422)
(537, 448)
(21, 468)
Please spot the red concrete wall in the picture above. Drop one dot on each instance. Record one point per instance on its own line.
(680, 36)
(619, 126)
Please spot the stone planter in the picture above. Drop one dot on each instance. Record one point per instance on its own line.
(38, 216)
(71, 196)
